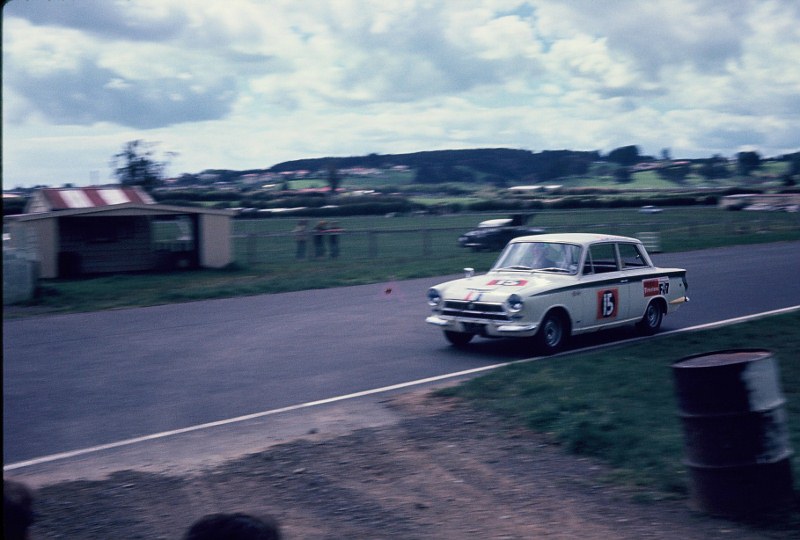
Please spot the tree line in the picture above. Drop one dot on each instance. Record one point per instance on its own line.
(137, 164)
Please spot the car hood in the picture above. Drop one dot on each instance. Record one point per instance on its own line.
(497, 286)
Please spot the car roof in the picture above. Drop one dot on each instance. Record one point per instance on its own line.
(575, 238)
(494, 223)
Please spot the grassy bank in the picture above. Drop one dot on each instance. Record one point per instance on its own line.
(618, 404)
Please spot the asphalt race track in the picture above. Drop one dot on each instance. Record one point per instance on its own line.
(72, 382)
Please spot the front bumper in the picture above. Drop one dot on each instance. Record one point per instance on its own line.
(484, 328)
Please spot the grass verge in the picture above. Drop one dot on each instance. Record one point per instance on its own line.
(154, 288)
(618, 404)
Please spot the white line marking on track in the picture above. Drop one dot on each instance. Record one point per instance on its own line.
(400, 386)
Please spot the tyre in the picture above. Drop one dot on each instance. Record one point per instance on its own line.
(553, 333)
(651, 320)
(458, 339)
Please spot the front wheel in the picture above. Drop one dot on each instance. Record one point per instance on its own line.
(651, 320)
(458, 339)
(553, 333)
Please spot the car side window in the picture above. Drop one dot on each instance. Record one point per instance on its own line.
(631, 256)
(603, 258)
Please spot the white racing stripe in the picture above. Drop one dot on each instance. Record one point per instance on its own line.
(400, 386)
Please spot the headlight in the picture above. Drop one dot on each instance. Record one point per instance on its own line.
(514, 303)
(434, 298)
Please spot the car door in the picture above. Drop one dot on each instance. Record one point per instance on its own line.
(636, 269)
(605, 288)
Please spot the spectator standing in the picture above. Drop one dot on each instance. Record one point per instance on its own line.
(333, 239)
(301, 238)
(319, 239)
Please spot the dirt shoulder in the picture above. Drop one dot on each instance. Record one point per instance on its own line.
(442, 470)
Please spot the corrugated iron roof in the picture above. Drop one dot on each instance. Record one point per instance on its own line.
(93, 197)
(127, 209)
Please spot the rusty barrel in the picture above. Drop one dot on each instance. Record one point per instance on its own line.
(735, 431)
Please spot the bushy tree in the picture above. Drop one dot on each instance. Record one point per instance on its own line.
(623, 175)
(747, 162)
(333, 178)
(793, 172)
(714, 168)
(136, 165)
(625, 155)
(554, 164)
(675, 173)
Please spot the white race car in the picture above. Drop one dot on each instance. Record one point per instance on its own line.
(553, 286)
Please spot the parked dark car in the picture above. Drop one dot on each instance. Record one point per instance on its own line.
(494, 234)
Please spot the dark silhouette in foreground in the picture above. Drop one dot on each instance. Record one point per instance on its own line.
(236, 526)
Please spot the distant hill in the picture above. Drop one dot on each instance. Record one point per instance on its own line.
(485, 164)
(492, 165)
(499, 166)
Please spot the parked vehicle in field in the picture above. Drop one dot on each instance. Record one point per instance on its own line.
(553, 286)
(494, 234)
(650, 209)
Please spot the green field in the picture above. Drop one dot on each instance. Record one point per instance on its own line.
(618, 404)
(681, 228)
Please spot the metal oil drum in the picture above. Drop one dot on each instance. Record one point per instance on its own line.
(735, 431)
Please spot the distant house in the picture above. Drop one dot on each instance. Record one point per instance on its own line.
(96, 230)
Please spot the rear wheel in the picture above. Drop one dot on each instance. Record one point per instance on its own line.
(458, 339)
(553, 333)
(651, 320)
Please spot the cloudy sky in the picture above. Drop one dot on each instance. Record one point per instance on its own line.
(246, 84)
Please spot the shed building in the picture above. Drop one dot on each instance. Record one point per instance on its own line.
(85, 231)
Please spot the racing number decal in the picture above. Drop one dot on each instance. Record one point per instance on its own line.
(607, 303)
(508, 282)
(656, 287)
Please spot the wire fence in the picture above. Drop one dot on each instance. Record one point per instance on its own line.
(253, 247)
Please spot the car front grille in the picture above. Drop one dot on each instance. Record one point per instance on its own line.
(474, 310)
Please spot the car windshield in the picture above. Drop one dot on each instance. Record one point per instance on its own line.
(540, 256)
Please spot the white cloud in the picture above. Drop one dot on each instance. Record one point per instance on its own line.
(249, 83)
(43, 51)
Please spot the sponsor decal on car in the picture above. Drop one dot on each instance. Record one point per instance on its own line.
(607, 303)
(656, 286)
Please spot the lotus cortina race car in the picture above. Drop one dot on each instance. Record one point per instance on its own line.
(552, 286)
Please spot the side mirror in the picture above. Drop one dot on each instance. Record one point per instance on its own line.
(469, 272)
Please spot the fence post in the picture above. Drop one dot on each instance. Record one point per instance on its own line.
(372, 242)
(426, 242)
(251, 248)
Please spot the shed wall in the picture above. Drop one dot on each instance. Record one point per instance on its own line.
(40, 238)
(106, 244)
(120, 240)
(215, 241)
